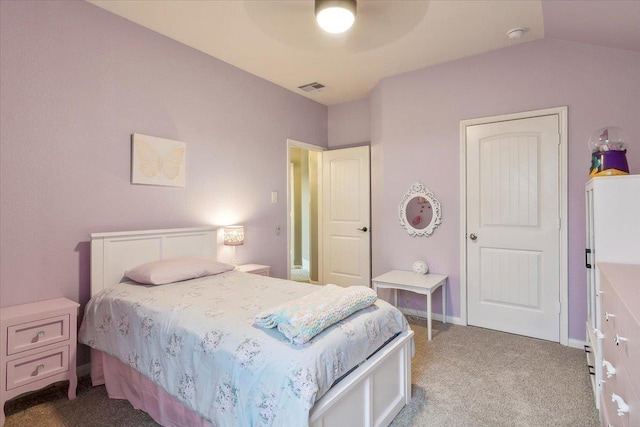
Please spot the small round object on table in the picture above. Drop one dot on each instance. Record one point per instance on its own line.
(420, 267)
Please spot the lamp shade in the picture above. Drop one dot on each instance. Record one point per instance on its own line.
(335, 16)
(234, 235)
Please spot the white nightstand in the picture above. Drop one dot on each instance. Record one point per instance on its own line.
(262, 270)
(37, 347)
(419, 283)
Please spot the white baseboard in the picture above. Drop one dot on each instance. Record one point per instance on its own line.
(574, 343)
(434, 316)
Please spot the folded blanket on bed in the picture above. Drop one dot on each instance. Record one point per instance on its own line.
(303, 318)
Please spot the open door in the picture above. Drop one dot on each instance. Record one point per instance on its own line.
(346, 217)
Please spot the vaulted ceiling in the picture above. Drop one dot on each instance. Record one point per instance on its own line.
(280, 41)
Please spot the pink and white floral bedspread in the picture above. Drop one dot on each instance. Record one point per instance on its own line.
(196, 340)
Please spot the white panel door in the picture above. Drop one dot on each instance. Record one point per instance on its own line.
(346, 240)
(513, 226)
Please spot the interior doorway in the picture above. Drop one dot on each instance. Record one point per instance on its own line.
(328, 214)
(303, 162)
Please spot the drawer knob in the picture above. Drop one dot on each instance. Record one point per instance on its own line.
(608, 315)
(40, 334)
(40, 368)
(611, 371)
(623, 408)
(620, 339)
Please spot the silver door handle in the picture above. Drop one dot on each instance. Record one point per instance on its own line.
(363, 229)
(472, 236)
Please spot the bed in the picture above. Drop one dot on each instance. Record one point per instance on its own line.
(364, 381)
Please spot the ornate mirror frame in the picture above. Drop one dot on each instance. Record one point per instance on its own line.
(419, 190)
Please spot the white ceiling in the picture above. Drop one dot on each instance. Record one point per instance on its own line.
(280, 41)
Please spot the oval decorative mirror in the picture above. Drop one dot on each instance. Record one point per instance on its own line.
(419, 212)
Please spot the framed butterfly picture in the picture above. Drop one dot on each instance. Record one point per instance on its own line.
(157, 161)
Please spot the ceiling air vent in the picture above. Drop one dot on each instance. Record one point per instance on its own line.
(312, 87)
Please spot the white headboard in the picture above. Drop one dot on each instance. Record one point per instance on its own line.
(114, 253)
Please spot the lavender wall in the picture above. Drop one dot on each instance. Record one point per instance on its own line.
(76, 82)
(349, 123)
(415, 136)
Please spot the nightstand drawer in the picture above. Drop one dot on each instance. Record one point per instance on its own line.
(39, 333)
(36, 367)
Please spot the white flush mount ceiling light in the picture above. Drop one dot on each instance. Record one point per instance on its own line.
(335, 16)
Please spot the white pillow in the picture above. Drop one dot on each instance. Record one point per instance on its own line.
(175, 270)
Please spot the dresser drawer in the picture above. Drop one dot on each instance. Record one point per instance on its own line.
(26, 336)
(608, 306)
(604, 413)
(628, 352)
(37, 366)
(610, 351)
(621, 385)
(609, 409)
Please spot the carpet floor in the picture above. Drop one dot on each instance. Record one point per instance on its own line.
(465, 376)
(300, 275)
(469, 376)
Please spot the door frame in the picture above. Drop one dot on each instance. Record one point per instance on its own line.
(563, 206)
(309, 147)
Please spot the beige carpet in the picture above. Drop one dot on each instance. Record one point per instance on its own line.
(465, 376)
(468, 376)
(300, 275)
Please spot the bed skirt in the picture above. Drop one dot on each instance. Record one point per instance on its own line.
(123, 382)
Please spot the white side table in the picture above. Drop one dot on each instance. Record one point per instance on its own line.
(423, 284)
(262, 270)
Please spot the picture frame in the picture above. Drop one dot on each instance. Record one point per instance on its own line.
(158, 161)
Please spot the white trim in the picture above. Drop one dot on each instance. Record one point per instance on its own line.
(574, 343)
(463, 222)
(562, 113)
(310, 147)
(564, 227)
(422, 314)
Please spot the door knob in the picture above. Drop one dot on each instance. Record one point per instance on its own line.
(363, 229)
(472, 236)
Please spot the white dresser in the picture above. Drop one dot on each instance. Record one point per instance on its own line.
(620, 322)
(613, 235)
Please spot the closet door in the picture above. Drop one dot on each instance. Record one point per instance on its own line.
(513, 226)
